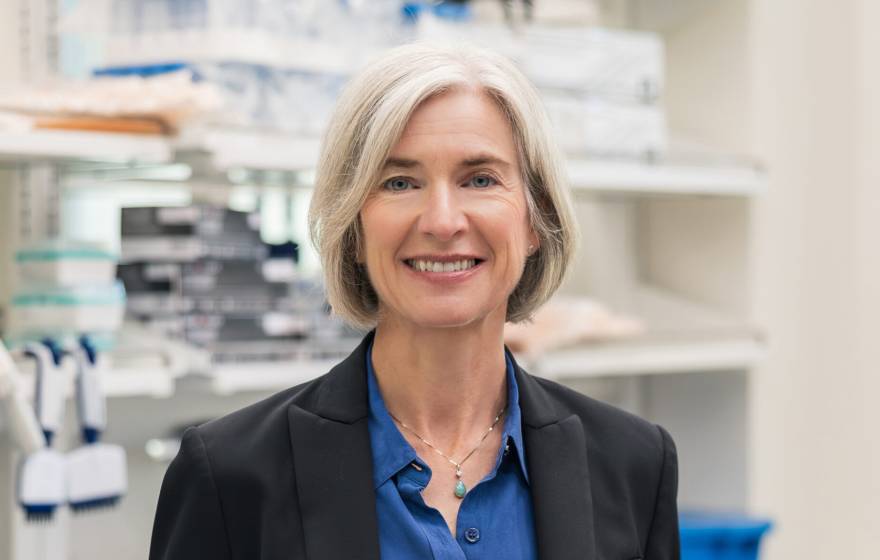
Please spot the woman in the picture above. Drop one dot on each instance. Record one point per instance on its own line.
(440, 213)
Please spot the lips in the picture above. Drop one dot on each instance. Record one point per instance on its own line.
(435, 265)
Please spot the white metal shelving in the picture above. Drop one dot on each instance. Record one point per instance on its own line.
(117, 382)
(49, 145)
(265, 376)
(708, 342)
(641, 356)
(231, 149)
(247, 46)
(665, 178)
(680, 337)
(650, 357)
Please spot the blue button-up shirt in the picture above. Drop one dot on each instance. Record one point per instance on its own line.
(495, 518)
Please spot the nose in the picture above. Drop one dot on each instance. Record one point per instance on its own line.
(442, 215)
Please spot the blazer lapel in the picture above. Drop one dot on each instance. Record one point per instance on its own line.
(559, 476)
(334, 469)
(333, 465)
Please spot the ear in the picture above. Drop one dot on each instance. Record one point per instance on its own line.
(534, 243)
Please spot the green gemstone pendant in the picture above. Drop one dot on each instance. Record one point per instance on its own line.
(460, 489)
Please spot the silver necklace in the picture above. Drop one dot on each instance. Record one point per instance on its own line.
(460, 489)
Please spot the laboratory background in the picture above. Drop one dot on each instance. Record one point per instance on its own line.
(156, 164)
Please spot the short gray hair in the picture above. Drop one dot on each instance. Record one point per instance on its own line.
(369, 119)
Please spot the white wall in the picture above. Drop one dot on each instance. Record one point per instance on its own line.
(815, 120)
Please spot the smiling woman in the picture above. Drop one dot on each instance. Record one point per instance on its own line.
(445, 243)
(442, 90)
(440, 213)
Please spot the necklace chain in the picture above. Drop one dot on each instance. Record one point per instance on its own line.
(460, 488)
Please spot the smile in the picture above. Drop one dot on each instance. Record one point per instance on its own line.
(436, 266)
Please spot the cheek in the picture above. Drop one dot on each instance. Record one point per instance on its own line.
(506, 220)
(384, 225)
(378, 226)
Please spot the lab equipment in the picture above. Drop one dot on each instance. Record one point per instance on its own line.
(97, 471)
(66, 263)
(42, 475)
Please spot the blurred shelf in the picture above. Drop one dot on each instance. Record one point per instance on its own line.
(138, 383)
(116, 382)
(637, 357)
(230, 149)
(231, 45)
(646, 357)
(680, 336)
(258, 150)
(227, 379)
(53, 145)
(665, 178)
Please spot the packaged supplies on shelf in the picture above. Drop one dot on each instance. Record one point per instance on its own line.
(197, 219)
(566, 320)
(205, 286)
(197, 277)
(140, 277)
(263, 351)
(188, 248)
(189, 233)
(230, 303)
(257, 95)
(709, 536)
(590, 125)
(209, 274)
(612, 63)
(628, 65)
(291, 101)
(292, 34)
(66, 263)
(205, 329)
(154, 304)
(107, 103)
(44, 311)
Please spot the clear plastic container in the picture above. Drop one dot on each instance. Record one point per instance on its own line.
(57, 311)
(66, 263)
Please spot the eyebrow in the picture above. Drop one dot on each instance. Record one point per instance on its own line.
(473, 161)
(402, 163)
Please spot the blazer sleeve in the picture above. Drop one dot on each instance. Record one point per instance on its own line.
(663, 537)
(189, 520)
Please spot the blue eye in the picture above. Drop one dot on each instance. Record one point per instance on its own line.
(397, 184)
(482, 181)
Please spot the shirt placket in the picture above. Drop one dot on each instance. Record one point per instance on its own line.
(410, 483)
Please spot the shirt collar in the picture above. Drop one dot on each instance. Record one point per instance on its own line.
(391, 451)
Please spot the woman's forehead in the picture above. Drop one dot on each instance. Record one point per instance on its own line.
(465, 123)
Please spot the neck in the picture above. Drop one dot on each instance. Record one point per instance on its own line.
(445, 384)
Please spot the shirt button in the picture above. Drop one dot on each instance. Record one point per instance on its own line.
(472, 535)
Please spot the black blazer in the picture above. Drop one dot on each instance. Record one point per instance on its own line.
(291, 478)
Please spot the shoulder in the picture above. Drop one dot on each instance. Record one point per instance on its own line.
(613, 435)
(632, 464)
(258, 428)
(259, 435)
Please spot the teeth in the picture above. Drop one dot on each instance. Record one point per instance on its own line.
(433, 266)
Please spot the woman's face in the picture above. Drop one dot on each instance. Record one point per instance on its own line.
(446, 229)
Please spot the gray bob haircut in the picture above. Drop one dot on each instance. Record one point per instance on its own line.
(369, 119)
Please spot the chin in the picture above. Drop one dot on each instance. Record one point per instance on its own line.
(448, 316)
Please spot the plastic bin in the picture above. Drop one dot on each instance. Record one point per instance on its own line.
(713, 536)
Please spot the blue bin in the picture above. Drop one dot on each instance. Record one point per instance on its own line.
(714, 536)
